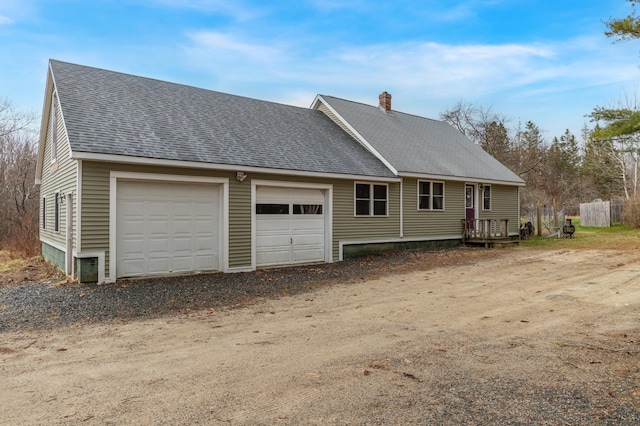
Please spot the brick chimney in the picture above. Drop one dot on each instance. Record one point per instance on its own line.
(385, 101)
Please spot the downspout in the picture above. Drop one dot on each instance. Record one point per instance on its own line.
(401, 208)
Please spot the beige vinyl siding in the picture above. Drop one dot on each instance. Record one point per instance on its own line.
(433, 223)
(59, 176)
(95, 201)
(95, 210)
(239, 223)
(505, 201)
(348, 227)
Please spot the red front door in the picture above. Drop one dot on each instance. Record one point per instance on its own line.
(470, 204)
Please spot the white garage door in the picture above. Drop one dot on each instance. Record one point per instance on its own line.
(166, 228)
(289, 226)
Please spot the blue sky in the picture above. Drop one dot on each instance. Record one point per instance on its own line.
(544, 61)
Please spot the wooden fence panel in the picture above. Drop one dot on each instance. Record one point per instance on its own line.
(595, 214)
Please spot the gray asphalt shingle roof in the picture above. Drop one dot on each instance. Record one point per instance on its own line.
(413, 144)
(107, 112)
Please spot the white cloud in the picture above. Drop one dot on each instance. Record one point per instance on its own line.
(223, 49)
(5, 21)
(425, 78)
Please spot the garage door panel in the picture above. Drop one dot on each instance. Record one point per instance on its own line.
(165, 227)
(133, 227)
(205, 263)
(133, 267)
(183, 264)
(182, 244)
(308, 254)
(273, 257)
(159, 265)
(295, 237)
(133, 247)
(205, 244)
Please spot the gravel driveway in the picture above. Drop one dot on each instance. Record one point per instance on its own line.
(475, 337)
(47, 304)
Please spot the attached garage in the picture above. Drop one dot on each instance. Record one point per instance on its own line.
(291, 225)
(167, 227)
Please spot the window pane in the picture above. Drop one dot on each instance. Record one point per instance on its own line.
(272, 208)
(487, 198)
(425, 188)
(379, 192)
(362, 191)
(380, 208)
(307, 209)
(56, 214)
(438, 188)
(425, 203)
(362, 207)
(438, 203)
(44, 213)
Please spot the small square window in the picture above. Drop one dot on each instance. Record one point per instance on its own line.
(430, 195)
(371, 199)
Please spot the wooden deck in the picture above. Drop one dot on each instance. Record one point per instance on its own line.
(488, 232)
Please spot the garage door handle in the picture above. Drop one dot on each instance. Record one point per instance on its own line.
(291, 240)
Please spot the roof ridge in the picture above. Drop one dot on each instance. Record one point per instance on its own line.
(393, 110)
(87, 67)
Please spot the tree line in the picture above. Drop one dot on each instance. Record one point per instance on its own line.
(565, 170)
(19, 194)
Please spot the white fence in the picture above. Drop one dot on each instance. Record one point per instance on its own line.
(595, 214)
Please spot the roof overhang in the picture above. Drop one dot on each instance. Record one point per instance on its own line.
(44, 121)
(468, 179)
(124, 159)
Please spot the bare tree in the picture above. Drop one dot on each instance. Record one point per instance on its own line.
(18, 193)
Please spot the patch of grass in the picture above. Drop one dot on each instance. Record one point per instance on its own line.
(618, 237)
(8, 262)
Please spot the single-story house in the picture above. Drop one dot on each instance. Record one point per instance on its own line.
(141, 177)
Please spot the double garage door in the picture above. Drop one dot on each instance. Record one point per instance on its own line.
(290, 225)
(167, 228)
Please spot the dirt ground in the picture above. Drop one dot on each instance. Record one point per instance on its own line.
(523, 336)
(15, 270)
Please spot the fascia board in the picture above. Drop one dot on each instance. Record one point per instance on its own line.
(112, 158)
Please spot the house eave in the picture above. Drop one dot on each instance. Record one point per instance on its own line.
(124, 159)
(459, 178)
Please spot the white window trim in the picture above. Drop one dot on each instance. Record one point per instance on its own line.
(43, 216)
(57, 209)
(490, 198)
(431, 182)
(371, 199)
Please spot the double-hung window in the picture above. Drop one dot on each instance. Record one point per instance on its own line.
(486, 197)
(430, 195)
(371, 199)
(44, 212)
(56, 213)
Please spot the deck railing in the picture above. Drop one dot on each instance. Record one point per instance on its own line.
(484, 230)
